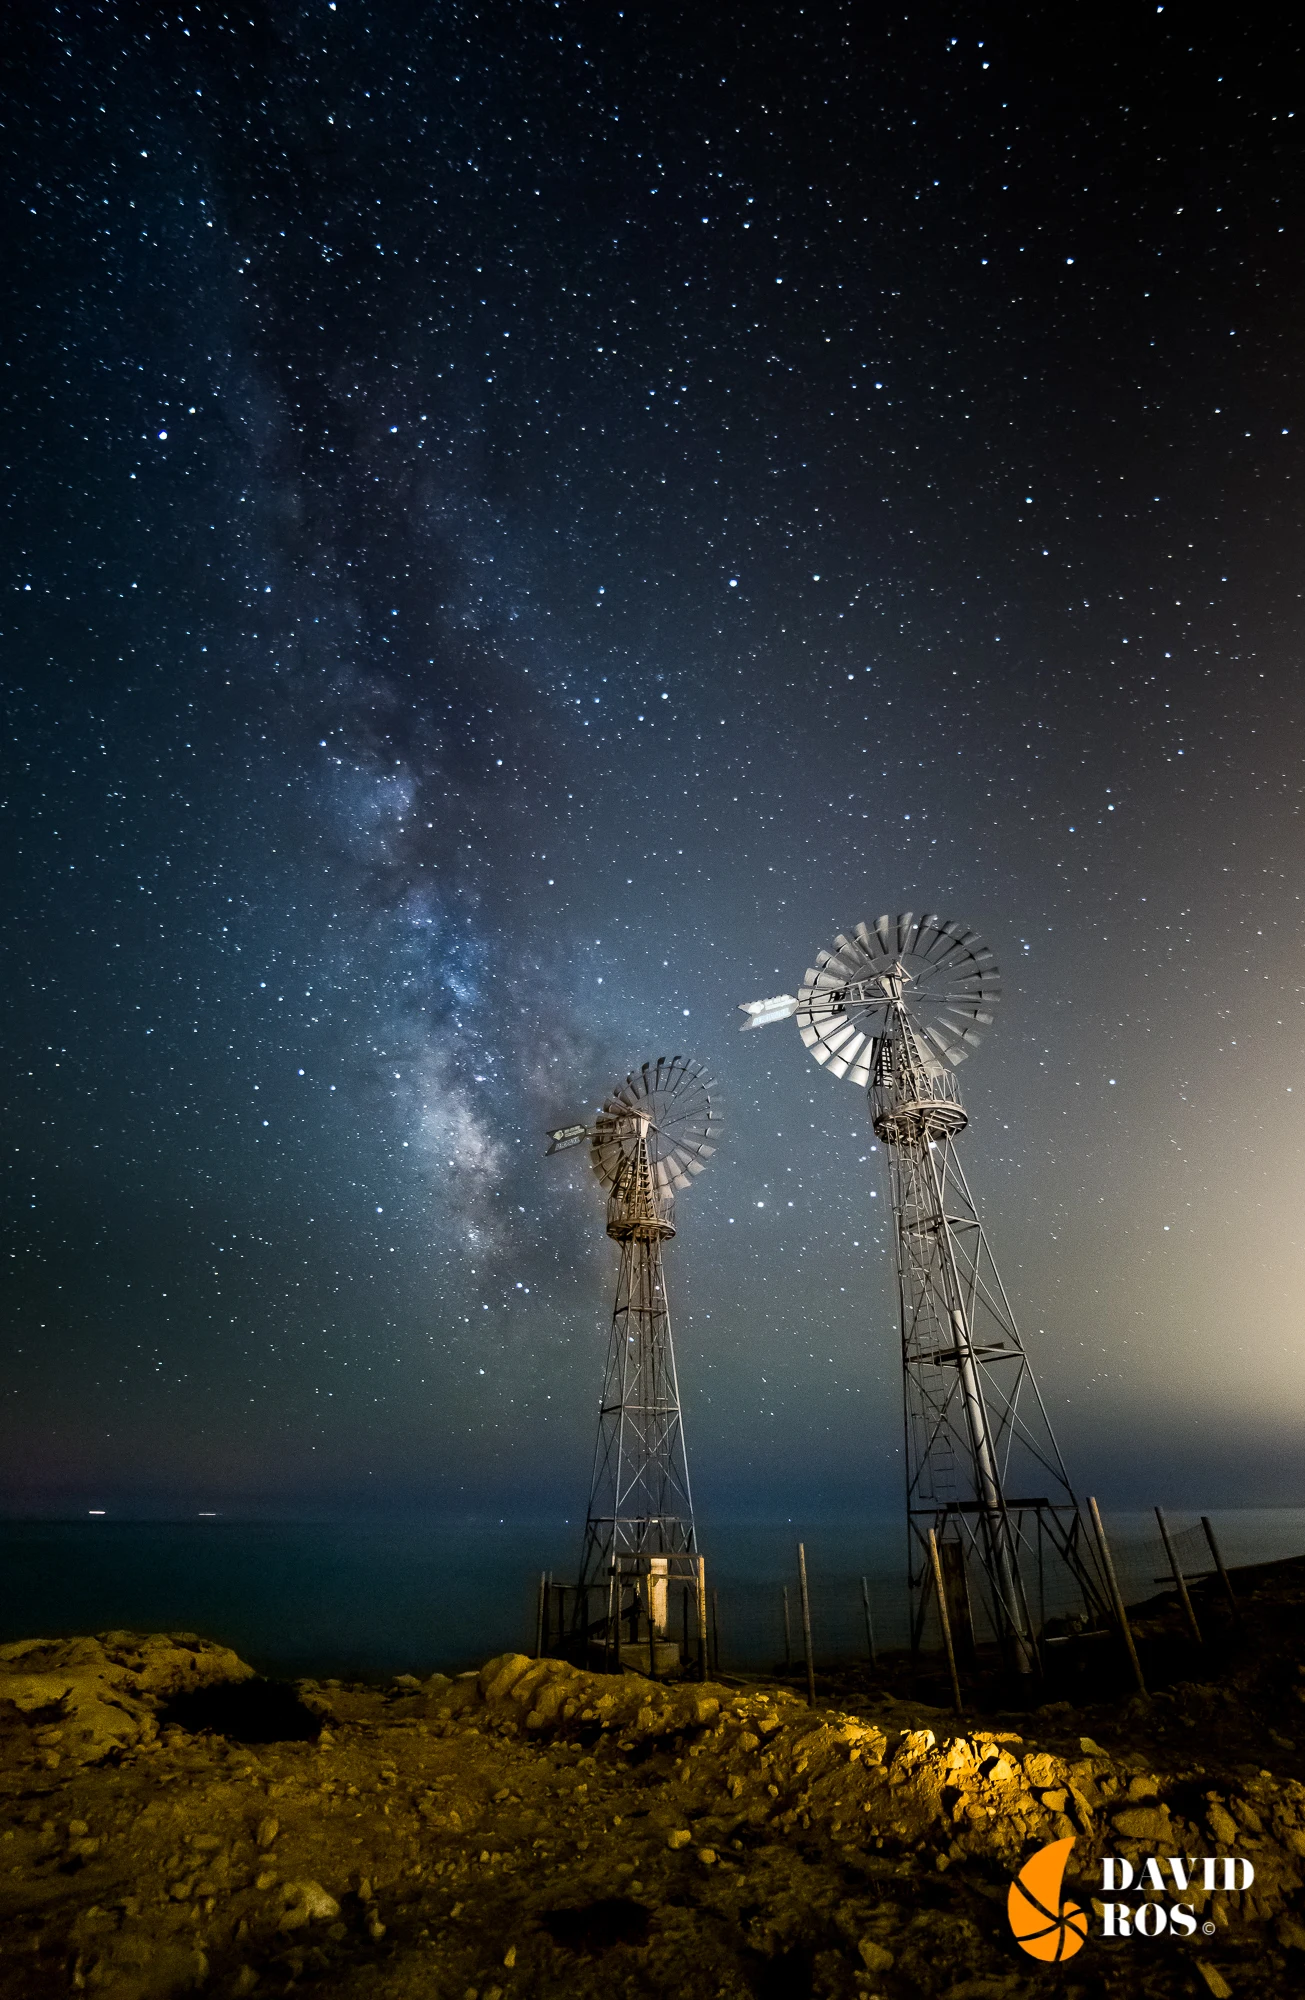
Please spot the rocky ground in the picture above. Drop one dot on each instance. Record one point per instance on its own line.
(528, 1829)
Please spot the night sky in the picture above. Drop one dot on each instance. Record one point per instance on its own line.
(522, 522)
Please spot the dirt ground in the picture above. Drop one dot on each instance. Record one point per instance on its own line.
(528, 1829)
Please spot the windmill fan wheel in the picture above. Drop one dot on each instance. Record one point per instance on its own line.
(941, 974)
(668, 1105)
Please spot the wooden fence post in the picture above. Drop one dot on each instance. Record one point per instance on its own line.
(869, 1622)
(539, 1614)
(1116, 1598)
(700, 1571)
(806, 1623)
(1223, 1574)
(1180, 1580)
(936, 1561)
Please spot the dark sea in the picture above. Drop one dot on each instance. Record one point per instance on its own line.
(383, 1595)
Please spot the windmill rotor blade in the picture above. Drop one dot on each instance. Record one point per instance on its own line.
(860, 1070)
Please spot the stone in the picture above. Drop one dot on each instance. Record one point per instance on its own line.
(267, 1830)
(875, 1957)
(302, 1902)
(1142, 1823)
(679, 1836)
(1221, 1824)
(498, 1676)
(108, 1690)
(1215, 1982)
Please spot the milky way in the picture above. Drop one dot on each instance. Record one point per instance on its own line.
(523, 523)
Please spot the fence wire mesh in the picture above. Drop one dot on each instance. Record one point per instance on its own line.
(1142, 1563)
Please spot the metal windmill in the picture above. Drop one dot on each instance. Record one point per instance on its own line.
(656, 1131)
(896, 1007)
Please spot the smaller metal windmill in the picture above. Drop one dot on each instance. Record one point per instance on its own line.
(656, 1131)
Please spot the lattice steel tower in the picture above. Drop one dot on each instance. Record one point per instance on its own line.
(895, 1007)
(656, 1131)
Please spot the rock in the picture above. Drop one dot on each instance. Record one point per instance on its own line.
(497, 1677)
(1221, 1824)
(1214, 1980)
(875, 1957)
(1142, 1823)
(548, 1705)
(267, 1831)
(106, 1691)
(679, 1836)
(304, 1901)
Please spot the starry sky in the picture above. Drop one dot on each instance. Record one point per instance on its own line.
(522, 521)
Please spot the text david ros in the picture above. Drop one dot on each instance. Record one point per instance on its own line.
(1152, 1919)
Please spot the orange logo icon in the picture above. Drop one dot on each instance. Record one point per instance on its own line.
(1044, 1926)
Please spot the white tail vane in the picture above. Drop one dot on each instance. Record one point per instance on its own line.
(761, 1013)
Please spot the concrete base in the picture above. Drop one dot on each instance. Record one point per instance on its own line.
(634, 1659)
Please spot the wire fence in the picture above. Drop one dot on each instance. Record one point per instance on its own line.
(1142, 1561)
(758, 1619)
(759, 1623)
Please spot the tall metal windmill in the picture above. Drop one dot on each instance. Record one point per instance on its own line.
(655, 1133)
(896, 1007)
